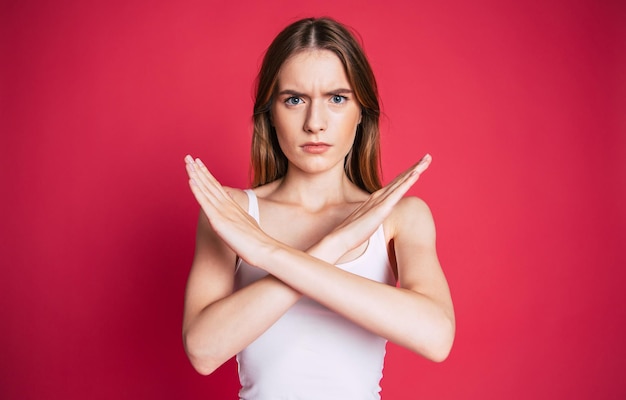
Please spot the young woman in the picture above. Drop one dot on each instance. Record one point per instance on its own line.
(297, 276)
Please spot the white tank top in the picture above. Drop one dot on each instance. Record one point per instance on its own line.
(312, 352)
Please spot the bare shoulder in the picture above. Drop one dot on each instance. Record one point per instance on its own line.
(241, 197)
(411, 205)
(411, 216)
(266, 190)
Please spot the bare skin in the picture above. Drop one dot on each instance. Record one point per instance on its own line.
(335, 220)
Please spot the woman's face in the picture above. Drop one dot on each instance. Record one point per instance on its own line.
(315, 112)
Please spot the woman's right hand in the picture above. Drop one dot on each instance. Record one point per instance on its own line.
(365, 219)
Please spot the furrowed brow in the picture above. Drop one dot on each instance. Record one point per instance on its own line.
(340, 91)
(291, 93)
(329, 93)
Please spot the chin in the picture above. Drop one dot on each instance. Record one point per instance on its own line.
(315, 166)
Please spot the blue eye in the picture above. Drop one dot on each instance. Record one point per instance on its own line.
(293, 101)
(336, 99)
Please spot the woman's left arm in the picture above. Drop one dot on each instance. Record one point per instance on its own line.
(417, 315)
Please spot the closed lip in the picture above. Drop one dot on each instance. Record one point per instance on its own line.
(315, 147)
(315, 144)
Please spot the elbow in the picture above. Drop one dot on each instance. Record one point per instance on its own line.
(202, 361)
(443, 344)
(438, 345)
(202, 365)
(440, 354)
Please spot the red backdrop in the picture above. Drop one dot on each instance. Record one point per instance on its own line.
(521, 104)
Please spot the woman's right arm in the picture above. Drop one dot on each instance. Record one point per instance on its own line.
(219, 322)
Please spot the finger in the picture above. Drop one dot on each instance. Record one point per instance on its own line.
(200, 196)
(415, 170)
(199, 190)
(208, 182)
(196, 166)
(410, 172)
(413, 175)
(200, 183)
(393, 192)
(424, 163)
(212, 188)
(409, 176)
(195, 176)
(205, 173)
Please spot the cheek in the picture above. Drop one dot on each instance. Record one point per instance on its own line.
(285, 140)
(349, 123)
(279, 129)
(284, 122)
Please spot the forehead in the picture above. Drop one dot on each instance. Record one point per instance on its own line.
(313, 69)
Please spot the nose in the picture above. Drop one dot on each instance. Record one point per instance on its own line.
(315, 118)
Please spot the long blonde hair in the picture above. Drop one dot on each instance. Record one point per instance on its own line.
(362, 163)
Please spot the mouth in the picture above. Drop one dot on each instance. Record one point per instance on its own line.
(315, 147)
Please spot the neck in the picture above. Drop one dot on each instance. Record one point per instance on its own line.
(317, 191)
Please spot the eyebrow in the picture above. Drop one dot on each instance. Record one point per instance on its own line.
(296, 93)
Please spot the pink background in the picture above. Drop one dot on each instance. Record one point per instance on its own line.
(521, 104)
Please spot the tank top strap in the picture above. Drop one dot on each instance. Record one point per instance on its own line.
(379, 238)
(253, 204)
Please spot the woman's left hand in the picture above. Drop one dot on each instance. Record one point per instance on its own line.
(366, 218)
(233, 224)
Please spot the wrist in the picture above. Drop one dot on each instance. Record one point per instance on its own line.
(329, 249)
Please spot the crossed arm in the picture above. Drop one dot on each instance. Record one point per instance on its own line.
(219, 322)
